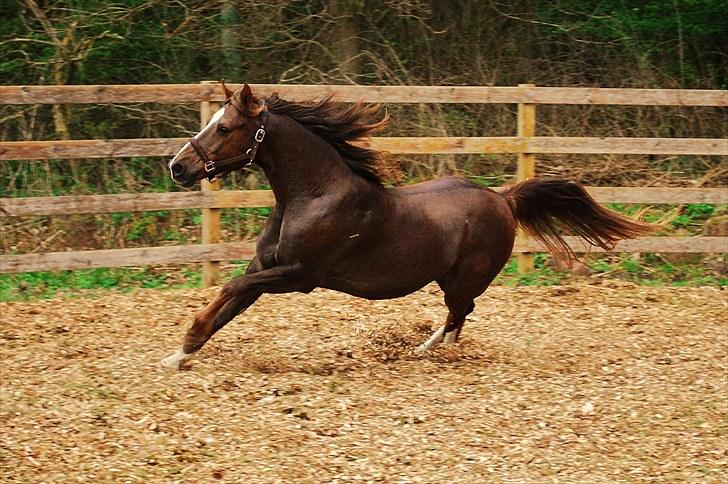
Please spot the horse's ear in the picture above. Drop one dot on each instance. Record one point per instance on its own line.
(225, 91)
(249, 102)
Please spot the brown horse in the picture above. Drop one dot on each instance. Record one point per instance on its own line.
(335, 226)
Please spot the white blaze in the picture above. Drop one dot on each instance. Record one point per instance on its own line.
(215, 118)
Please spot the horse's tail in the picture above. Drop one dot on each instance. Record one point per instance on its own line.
(540, 206)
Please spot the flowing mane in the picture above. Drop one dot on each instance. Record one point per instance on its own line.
(338, 128)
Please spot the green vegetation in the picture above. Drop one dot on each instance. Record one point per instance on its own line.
(33, 285)
(648, 270)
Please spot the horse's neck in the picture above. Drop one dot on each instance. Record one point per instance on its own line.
(298, 163)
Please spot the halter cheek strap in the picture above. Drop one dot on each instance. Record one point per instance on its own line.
(217, 167)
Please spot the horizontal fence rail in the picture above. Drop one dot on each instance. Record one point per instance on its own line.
(191, 93)
(526, 145)
(183, 254)
(146, 202)
(127, 148)
(144, 256)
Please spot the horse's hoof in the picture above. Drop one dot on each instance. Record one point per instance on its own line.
(174, 361)
(169, 365)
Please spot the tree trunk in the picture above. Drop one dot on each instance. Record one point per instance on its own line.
(232, 63)
(344, 39)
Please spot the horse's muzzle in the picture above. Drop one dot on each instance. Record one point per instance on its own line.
(180, 176)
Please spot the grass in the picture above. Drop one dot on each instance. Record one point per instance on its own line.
(34, 285)
(647, 270)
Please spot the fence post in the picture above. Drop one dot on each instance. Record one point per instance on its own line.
(526, 166)
(210, 216)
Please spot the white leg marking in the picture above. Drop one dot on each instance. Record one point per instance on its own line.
(174, 361)
(450, 338)
(432, 342)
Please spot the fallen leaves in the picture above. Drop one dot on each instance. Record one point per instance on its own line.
(596, 383)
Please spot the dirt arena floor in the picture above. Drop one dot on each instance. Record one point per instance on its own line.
(598, 382)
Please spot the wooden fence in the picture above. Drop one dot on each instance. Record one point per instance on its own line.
(211, 200)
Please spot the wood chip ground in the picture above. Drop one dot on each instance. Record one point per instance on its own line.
(605, 382)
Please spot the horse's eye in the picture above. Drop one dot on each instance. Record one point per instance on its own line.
(222, 129)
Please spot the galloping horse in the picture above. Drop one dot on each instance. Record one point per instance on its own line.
(335, 226)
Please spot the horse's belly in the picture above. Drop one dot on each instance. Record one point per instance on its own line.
(384, 277)
(374, 289)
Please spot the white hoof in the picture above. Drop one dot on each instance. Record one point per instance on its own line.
(434, 340)
(450, 338)
(174, 361)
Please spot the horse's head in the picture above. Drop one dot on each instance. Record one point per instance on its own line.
(228, 142)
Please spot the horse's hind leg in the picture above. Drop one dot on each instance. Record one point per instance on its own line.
(454, 324)
(460, 288)
(449, 332)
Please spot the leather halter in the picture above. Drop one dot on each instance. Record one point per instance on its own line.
(215, 167)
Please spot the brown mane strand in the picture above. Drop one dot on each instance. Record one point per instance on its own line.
(338, 127)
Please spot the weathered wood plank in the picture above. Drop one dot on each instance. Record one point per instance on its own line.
(659, 195)
(142, 202)
(629, 146)
(126, 148)
(210, 226)
(626, 96)
(183, 254)
(90, 148)
(526, 167)
(144, 256)
(644, 244)
(189, 93)
(134, 202)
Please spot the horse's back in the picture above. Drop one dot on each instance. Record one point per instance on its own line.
(458, 201)
(439, 185)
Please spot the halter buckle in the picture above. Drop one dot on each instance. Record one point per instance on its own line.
(209, 166)
(259, 135)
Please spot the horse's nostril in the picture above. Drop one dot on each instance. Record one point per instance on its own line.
(177, 169)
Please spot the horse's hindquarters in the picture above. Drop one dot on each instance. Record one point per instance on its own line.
(440, 230)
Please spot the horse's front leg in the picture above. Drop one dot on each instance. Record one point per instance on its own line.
(236, 296)
(215, 315)
(206, 323)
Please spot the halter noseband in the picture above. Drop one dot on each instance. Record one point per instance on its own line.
(215, 167)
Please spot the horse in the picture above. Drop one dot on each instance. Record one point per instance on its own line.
(336, 226)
